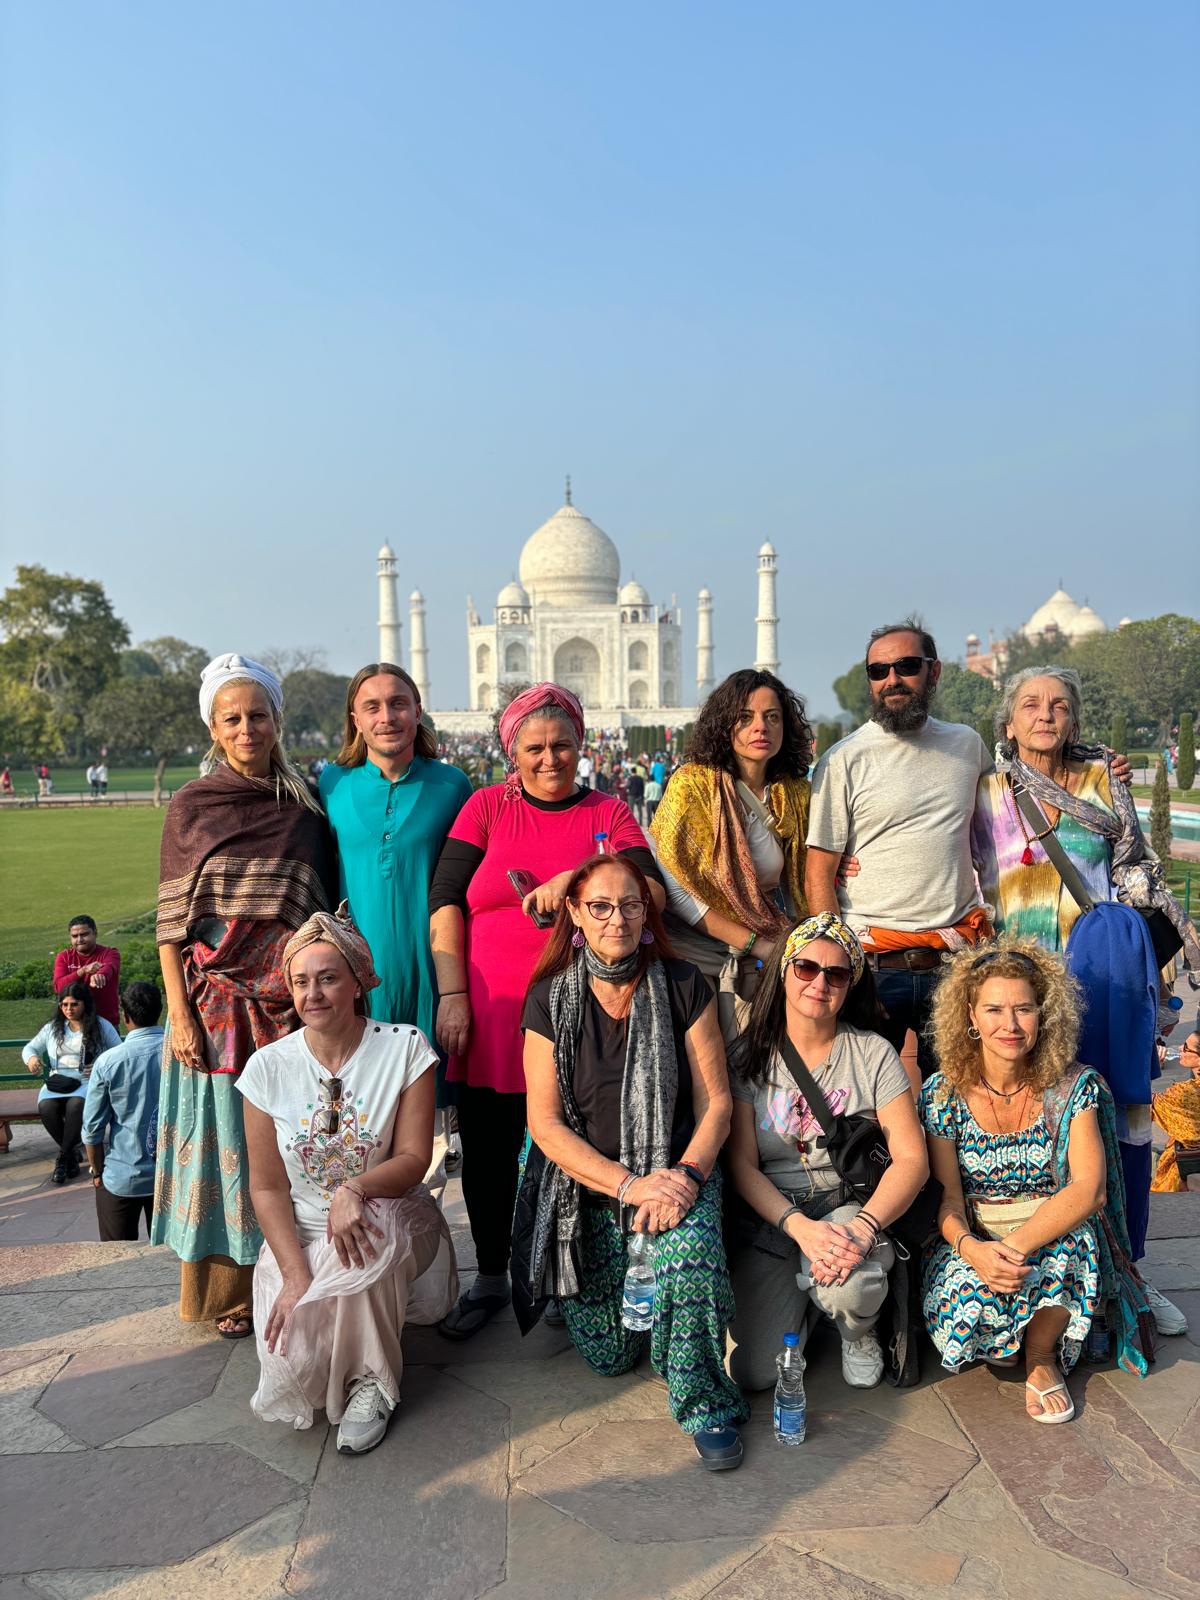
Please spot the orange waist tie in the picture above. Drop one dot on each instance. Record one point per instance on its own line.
(973, 929)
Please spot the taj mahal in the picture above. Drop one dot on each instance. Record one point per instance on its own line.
(568, 617)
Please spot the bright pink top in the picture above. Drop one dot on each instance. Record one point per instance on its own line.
(503, 944)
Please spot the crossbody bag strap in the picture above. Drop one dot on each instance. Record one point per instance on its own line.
(808, 1086)
(1058, 857)
(763, 812)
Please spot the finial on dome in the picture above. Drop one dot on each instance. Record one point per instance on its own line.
(568, 488)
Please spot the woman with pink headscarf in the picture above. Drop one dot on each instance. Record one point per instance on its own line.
(537, 826)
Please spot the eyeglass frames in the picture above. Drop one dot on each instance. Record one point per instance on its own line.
(806, 971)
(906, 667)
(631, 910)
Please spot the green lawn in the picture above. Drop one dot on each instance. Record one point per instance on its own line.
(135, 780)
(55, 864)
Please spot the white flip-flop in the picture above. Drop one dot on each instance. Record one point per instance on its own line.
(1051, 1417)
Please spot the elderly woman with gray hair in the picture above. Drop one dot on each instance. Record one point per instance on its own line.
(1062, 859)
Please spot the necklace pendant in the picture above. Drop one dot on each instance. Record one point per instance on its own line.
(1027, 857)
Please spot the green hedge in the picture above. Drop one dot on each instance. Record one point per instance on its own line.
(33, 980)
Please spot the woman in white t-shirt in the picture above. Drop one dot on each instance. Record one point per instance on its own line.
(811, 1247)
(339, 1127)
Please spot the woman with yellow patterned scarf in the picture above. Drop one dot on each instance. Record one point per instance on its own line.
(730, 833)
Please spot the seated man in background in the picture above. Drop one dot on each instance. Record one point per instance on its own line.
(122, 1101)
(88, 961)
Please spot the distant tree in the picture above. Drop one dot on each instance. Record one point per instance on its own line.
(985, 727)
(175, 655)
(853, 693)
(963, 696)
(62, 638)
(1155, 665)
(28, 724)
(1118, 734)
(314, 706)
(138, 663)
(1185, 771)
(1160, 815)
(828, 733)
(285, 659)
(155, 715)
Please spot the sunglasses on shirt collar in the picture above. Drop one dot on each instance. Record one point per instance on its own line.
(906, 667)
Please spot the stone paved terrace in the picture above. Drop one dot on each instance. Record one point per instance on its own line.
(131, 1467)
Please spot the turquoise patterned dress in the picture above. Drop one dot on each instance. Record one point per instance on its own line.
(966, 1320)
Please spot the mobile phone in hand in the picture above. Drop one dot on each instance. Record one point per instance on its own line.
(525, 883)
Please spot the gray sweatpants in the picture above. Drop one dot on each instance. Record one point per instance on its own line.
(769, 1303)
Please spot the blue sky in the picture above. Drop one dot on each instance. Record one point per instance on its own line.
(910, 290)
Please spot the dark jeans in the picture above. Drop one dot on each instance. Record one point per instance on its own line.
(906, 997)
(1136, 1165)
(63, 1121)
(492, 1129)
(117, 1214)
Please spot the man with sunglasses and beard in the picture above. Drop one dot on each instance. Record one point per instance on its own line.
(899, 793)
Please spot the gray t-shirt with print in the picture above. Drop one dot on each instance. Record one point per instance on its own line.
(861, 1072)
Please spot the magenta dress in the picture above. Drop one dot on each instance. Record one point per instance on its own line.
(503, 944)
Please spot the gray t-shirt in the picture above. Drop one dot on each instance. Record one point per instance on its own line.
(902, 803)
(861, 1072)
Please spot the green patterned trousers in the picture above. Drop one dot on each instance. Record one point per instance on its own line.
(693, 1304)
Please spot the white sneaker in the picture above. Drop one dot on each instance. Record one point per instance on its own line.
(862, 1362)
(366, 1419)
(1168, 1318)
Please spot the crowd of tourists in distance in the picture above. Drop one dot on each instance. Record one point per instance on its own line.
(687, 1027)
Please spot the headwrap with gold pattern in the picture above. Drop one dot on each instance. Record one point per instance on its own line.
(825, 926)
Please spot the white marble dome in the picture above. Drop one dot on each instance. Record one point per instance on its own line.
(1060, 612)
(1087, 622)
(386, 553)
(633, 594)
(569, 561)
(512, 594)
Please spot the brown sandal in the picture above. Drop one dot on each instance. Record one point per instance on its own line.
(239, 1319)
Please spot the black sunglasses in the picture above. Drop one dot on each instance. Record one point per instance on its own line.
(1008, 955)
(806, 971)
(333, 1115)
(906, 667)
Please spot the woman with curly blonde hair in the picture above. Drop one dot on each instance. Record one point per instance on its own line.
(1023, 1141)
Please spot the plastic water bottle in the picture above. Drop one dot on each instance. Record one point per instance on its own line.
(637, 1303)
(791, 1408)
(602, 845)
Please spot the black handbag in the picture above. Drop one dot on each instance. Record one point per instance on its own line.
(860, 1156)
(1164, 935)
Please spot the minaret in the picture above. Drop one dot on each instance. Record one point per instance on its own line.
(767, 622)
(420, 655)
(704, 647)
(389, 609)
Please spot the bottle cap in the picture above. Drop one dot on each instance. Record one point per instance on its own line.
(1175, 1003)
(791, 1340)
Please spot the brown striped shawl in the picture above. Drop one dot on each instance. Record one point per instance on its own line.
(231, 849)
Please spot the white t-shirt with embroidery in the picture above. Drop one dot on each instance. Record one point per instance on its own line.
(288, 1083)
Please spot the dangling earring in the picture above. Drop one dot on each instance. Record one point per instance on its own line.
(647, 937)
(577, 939)
(973, 1032)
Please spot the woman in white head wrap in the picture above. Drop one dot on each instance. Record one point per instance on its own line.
(246, 859)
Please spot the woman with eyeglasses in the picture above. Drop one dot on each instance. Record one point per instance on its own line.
(1034, 1242)
(730, 830)
(628, 1107)
(814, 1250)
(68, 1046)
(339, 1127)
(499, 884)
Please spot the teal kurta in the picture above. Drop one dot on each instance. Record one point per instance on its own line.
(389, 836)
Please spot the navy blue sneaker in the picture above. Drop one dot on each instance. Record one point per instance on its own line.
(719, 1449)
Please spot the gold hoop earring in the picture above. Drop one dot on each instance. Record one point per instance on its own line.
(973, 1032)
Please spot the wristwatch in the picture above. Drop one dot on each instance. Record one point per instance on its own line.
(93, 1172)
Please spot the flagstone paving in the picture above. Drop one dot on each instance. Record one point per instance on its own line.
(131, 1467)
